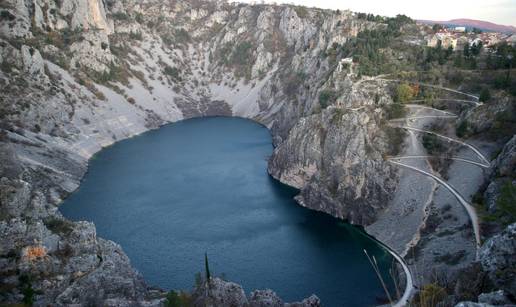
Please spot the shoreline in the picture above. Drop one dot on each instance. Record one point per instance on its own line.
(407, 294)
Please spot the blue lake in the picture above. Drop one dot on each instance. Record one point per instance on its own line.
(201, 185)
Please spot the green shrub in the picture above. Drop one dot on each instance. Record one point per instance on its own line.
(136, 35)
(6, 15)
(179, 37)
(6, 67)
(404, 93)
(180, 299)
(182, 36)
(173, 72)
(139, 18)
(433, 144)
(115, 73)
(173, 299)
(224, 54)
(395, 110)
(485, 95)
(27, 290)
(462, 129)
(506, 204)
(395, 139)
(59, 226)
(327, 97)
(242, 53)
(301, 11)
(120, 16)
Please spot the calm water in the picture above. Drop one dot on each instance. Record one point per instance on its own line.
(201, 185)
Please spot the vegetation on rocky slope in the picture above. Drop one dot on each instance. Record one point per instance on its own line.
(77, 78)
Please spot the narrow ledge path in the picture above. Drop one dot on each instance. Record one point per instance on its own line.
(474, 97)
(477, 152)
(420, 106)
(444, 157)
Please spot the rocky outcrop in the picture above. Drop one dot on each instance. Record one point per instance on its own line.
(497, 258)
(329, 156)
(79, 75)
(488, 116)
(218, 292)
(506, 161)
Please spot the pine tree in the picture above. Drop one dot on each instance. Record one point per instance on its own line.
(207, 267)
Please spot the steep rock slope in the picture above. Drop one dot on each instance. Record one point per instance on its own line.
(79, 75)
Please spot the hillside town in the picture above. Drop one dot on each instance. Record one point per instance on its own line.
(459, 37)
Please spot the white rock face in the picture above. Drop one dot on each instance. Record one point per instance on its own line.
(18, 22)
(92, 52)
(32, 61)
(87, 14)
(297, 31)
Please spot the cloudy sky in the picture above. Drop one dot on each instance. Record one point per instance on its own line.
(497, 11)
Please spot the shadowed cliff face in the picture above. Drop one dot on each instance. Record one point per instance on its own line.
(79, 75)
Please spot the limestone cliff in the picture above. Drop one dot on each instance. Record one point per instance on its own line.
(79, 75)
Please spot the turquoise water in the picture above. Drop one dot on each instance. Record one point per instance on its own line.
(201, 185)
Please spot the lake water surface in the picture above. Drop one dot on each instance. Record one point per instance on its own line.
(201, 185)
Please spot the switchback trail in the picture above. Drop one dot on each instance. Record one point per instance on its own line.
(477, 152)
(469, 208)
(444, 157)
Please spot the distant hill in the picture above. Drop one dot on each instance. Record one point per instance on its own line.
(472, 23)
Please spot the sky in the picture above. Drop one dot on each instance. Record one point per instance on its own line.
(497, 11)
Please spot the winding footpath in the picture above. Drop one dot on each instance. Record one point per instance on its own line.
(477, 152)
(409, 284)
(418, 106)
(474, 97)
(472, 214)
(446, 99)
(469, 208)
(443, 157)
(422, 117)
(484, 163)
